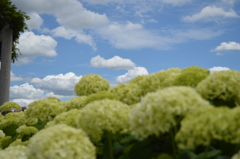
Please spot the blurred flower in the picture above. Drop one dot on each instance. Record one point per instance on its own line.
(75, 103)
(14, 152)
(128, 93)
(221, 88)
(61, 142)
(104, 115)
(160, 111)
(10, 106)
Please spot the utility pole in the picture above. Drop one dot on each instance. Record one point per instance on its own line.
(6, 37)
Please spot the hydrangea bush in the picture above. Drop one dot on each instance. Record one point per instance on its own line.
(171, 114)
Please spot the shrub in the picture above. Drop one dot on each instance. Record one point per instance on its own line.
(9, 106)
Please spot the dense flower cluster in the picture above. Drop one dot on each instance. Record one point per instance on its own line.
(75, 103)
(214, 123)
(61, 142)
(15, 120)
(26, 130)
(191, 76)
(128, 93)
(69, 118)
(9, 106)
(2, 134)
(158, 111)
(14, 152)
(105, 115)
(221, 88)
(45, 109)
(90, 84)
(155, 81)
(101, 95)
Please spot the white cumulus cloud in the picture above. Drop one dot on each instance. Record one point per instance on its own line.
(13, 77)
(25, 91)
(113, 63)
(227, 46)
(62, 84)
(79, 35)
(35, 21)
(215, 69)
(32, 45)
(211, 13)
(132, 73)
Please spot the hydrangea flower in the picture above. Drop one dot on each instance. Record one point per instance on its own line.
(75, 103)
(9, 106)
(101, 95)
(69, 118)
(61, 142)
(214, 123)
(128, 93)
(2, 134)
(104, 116)
(14, 152)
(45, 109)
(221, 88)
(15, 120)
(26, 130)
(158, 111)
(155, 81)
(90, 84)
(191, 76)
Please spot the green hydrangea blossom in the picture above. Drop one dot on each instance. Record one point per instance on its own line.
(236, 156)
(221, 88)
(8, 106)
(12, 121)
(128, 93)
(19, 142)
(69, 118)
(61, 142)
(45, 109)
(14, 152)
(207, 124)
(191, 76)
(104, 116)
(90, 84)
(26, 130)
(160, 111)
(101, 95)
(75, 103)
(155, 81)
(170, 76)
(5, 142)
(2, 134)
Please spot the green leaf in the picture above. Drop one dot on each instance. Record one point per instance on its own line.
(208, 155)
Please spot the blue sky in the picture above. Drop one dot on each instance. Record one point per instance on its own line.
(119, 39)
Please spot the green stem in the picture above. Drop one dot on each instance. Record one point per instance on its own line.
(172, 133)
(108, 151)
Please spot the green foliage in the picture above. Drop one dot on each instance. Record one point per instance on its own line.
(221, 88)
(128, 93)
(8, 106)
(90, 84)
(9, 14)
(101, 95)
(61, 142)
(191, 76)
